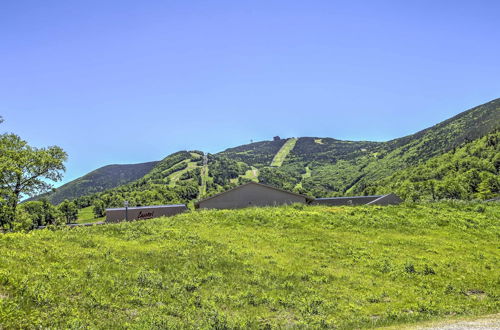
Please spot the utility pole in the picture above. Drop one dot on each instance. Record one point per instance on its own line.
(126, 210)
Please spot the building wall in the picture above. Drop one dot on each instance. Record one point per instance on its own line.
(339, 201)
(390, 199)
(250, 195)
(142, 213)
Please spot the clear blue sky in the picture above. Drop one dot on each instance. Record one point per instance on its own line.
(132, 81)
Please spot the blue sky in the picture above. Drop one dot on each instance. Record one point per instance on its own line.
(133, 81)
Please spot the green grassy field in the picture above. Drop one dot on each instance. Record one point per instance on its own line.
(86, 215)
(283, 152)
(295, 266)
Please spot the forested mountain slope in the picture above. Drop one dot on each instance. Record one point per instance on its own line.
(316, 166)
(470, 171)
(255, 154)
(103, 178)
(350, 173)
(180, 177)
(443, 137)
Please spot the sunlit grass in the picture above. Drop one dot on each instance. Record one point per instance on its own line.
(346, 267)
(86, 215)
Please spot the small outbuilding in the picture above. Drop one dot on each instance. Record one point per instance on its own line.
(143, 212)
(251, 194)
(389, 199)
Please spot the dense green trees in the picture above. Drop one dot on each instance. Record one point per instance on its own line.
(157, 187)
(68, 210)
(101, 179)
(38, 213)
(222, 169)
(25, 171)
(255, 154)
(285, 177)
(99, 208)
(471, 171)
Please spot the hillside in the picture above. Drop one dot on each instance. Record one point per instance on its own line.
(441, 138)
(316, 166)
(329, 167)
(283, 267)
(257, 154)
(103, 178)
(470, 171)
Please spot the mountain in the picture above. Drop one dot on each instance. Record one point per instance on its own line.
(318, 166)
(103, 178)
(470, 171)
(350, 172)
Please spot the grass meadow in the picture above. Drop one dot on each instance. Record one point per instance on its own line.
(293, 266)
(86, 215)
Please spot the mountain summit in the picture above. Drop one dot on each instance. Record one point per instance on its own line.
(318, 166)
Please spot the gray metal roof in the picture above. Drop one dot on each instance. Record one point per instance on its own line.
(349, 197)
(249, 183)
(147, 207)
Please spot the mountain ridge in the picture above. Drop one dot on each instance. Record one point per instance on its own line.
(320, 166)
(100, 179)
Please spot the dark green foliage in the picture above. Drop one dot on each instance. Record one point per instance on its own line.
(443, 137)
(104, 178)
(41, 213)
(187, 191)
(467, 172)
(285, 177)
(336, 179)
(68, 210)
(222, 169)
(99, 208)
(166, 166)
(327, 150)
(192, 174)
(255, 154)
(25, 171)
(157, 186)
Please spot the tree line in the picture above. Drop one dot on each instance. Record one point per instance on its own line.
(468, 171)
(25, 171)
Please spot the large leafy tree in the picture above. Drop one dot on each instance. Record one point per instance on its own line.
(26, 171)
(99, 208)
(69, 210)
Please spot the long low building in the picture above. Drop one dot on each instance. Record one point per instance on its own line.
(258, 194)
(251, 194)
(246, 195)
(143, 212)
